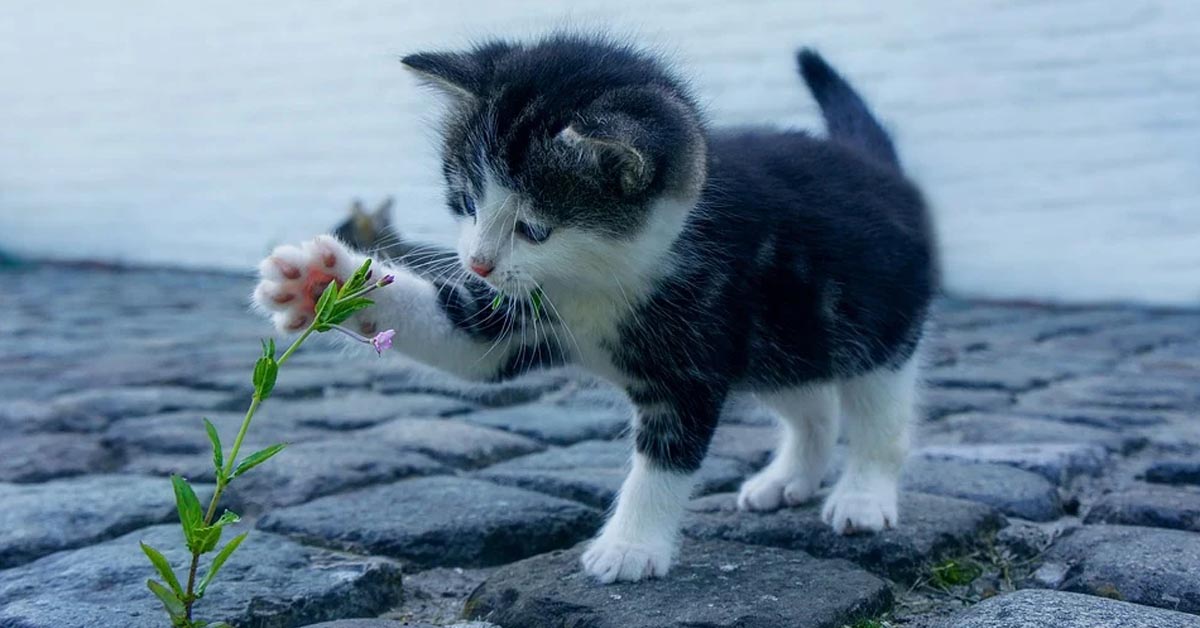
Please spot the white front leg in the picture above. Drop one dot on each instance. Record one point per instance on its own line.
(293, 276)
(639, 538)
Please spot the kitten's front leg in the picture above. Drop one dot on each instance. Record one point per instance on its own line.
(639, 538)
(294, 276)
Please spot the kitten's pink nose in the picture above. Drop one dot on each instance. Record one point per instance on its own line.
(482, 267)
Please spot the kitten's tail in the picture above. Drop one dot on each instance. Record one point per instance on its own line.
(848, 118)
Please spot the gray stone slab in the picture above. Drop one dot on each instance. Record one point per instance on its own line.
(391, 623)
(1056, 462)
(1149, 505)
(1003, 374)
(1058, 609)
(555, 424)
(306, 471)
(296, 380)
(183, 432)
(1104, 418)
(37, 519)
(712, 584)
(439, 521)
(1151, 566)
(360, 409)
(1014, 428)
(451, 441)
(1121, 392)
(931, 527)
(138, 400)
(1173, 471)
(368, 623)
(1012, 491)
(270, 582)
(41, 457)
(1176, 360)
(939, 402)
(408, 377)
(592, 471)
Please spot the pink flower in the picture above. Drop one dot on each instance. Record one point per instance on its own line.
(387, 279)
(383, 341)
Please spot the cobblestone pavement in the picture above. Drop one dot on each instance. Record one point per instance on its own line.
(1057, 481)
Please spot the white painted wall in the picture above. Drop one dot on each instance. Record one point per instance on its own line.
(1059, 141)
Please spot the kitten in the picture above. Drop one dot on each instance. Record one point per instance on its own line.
(679, 262)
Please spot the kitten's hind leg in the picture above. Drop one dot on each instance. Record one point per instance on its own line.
(809, 421)
(878, 410)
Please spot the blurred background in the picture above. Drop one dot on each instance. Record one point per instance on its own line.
(1059, 142)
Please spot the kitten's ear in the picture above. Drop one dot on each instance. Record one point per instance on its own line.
(383, 214)
(356, 209)
(453, 73)
(611, 146)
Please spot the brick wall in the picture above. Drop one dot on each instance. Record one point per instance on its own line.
(1059, 141)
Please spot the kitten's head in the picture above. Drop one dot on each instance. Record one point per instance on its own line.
(567, 161)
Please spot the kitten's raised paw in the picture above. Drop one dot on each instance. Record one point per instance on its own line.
(615, 561)
(850, 511)
(769, 490)
(292, 278)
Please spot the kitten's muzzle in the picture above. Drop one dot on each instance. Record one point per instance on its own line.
(482, 267)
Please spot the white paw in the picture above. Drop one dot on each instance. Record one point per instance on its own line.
(850, 510)
(292, 278)
(770, 489)
(612, 561)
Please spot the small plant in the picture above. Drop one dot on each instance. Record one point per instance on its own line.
(952, 573)
(201, 532)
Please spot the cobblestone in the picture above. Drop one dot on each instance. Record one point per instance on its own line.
(270, 582)
(439, 521)
(714, 583)
(932, 528)
(1136, 564)
(1082, 424)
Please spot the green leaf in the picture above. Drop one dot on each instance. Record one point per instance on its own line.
(170, 601)
(218, 455)
(189, 508)
(344, 310)
(227, 518)
(496, 302)
(164, 568)
(328, 299)
(219, 561)
(266, 370)
(356, 280)
(257, 458)
(207, 537)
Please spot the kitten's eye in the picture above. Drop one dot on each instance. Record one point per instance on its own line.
(534, 234)
(468, 204)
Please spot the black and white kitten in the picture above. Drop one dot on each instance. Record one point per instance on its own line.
(681, 263)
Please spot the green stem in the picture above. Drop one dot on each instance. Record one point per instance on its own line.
(223, 480)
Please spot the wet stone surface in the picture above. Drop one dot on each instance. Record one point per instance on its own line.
(1023, 609)
(1149, 566)
(439, 521)
(932, 527)
(714, 584)
(270, 581)
(1058, 451)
